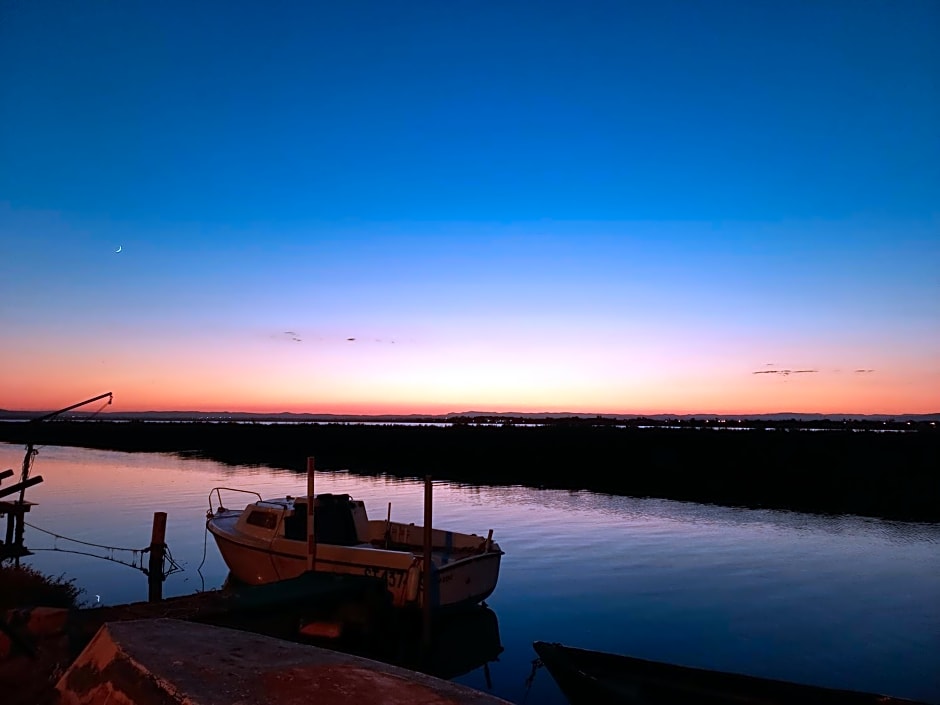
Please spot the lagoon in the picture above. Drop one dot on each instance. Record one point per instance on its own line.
(838, 601)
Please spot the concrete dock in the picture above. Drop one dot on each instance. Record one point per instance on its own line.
(172, 662)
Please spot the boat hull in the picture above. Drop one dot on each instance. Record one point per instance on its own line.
(598, 678)
(465, 581)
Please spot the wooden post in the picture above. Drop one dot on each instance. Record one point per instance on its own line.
(9, 540)
(311, 538)
(428, 563)
(20, 520)
(388, 526)
(12, 545)
(157, 552)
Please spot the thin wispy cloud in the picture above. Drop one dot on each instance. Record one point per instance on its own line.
(788, 372)
(294, 336)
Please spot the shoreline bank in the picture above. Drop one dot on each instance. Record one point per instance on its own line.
(885, 475)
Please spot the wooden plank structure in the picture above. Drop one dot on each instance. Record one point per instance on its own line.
(11, 547)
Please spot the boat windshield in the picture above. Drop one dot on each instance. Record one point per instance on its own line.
(333, 521)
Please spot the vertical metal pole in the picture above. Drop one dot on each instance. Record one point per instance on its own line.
(311, 539)
(19, 517)
(157, 551)
(27, 463)
(428, 564)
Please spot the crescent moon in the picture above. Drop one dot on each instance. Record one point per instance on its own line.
(120, 247)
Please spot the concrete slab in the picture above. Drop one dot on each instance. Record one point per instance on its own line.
(171, 662)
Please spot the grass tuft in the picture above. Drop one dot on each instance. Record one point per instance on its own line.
(23, 586)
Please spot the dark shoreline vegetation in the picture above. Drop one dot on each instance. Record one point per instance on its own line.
(24, 586)
(841, 470)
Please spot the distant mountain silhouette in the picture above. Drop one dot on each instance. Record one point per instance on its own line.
(288, 416)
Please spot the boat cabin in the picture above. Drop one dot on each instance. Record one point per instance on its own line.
(337, 519)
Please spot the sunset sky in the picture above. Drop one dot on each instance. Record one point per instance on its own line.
(428, 207)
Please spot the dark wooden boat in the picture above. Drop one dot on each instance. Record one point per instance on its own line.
(598, 678)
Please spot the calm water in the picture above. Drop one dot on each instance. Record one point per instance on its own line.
(836, 601)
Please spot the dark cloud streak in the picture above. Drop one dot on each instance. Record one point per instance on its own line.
(785, 373)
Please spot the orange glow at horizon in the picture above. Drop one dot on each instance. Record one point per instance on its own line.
(848, 393)
(496, 370)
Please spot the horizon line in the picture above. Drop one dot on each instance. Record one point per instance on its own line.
(474, 412)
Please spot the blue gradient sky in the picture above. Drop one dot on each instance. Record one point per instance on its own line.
(596, 207)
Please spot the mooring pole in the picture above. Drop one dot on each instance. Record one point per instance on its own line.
(9, 541)
(428, 565)
(157, 552)
(311, 538)
(20, 520)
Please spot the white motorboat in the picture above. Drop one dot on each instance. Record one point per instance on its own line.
(267, 542)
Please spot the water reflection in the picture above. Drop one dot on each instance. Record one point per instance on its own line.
(838, 601)
(462, 642)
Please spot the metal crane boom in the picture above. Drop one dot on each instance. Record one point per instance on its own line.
(31, 451)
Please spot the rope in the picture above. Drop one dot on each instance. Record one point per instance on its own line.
(93, 555)
(100, 409)
(536, 665)
(205, 539)
(86, 543)
(28, 461)
(174, 566)
(170, 565)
